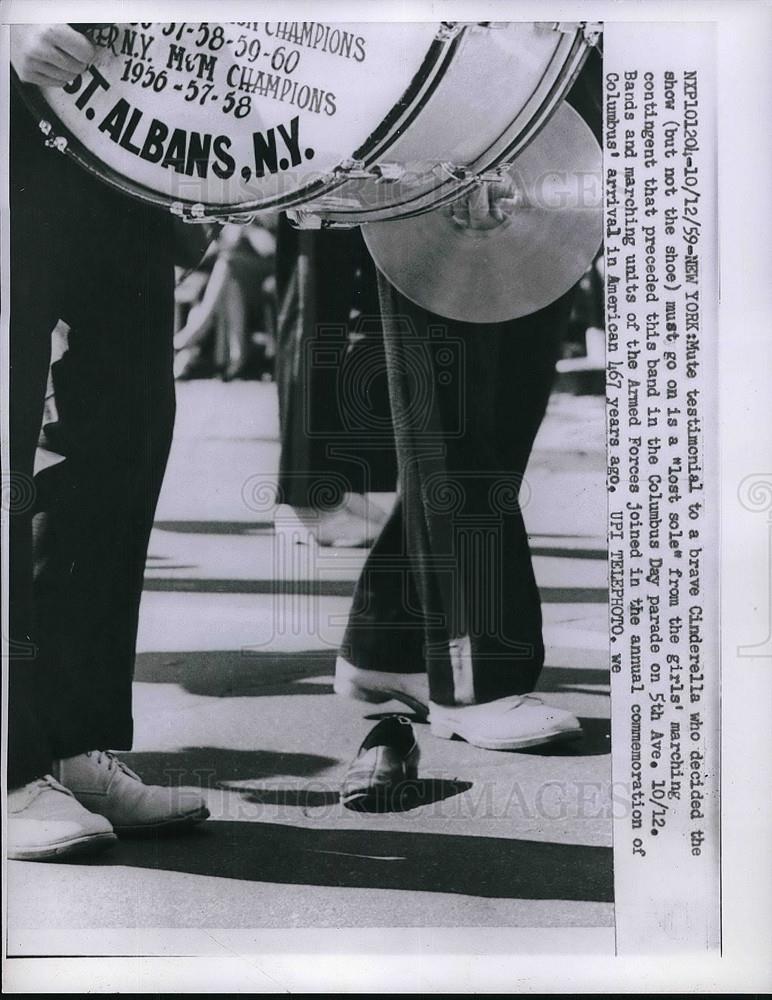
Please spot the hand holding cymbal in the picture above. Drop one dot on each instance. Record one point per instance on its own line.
(485, 207)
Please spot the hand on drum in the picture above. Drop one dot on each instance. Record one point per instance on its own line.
(49, 55)
(486, 207)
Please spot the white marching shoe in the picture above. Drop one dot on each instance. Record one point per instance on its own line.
(46, 823)
(513, 723)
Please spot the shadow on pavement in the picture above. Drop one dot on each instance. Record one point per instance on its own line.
(331, 588)
(414, 793)
(151, 559)
(546, 534)
(300, 798)
(151, 567)
(415, 717)
(233, 673)
(574, 595)
(208, 767)
(564, 553)
(215, 527)
(492, 867)
(210, 585)
(409, 795)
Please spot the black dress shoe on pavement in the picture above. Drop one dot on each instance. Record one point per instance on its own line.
(386, 762)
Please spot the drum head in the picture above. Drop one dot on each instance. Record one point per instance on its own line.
(235, 117)
(505, 81)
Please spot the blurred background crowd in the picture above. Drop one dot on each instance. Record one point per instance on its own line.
(228, 302)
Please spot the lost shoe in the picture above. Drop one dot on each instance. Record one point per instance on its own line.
(105, 785)
(46, 822)
(387, 758)
(512, 723)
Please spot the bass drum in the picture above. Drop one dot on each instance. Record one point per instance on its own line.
(352, 122)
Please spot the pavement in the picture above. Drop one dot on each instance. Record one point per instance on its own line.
(233, 695)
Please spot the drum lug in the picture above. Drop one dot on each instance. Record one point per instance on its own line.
(197, 213)
(591, 30)
(189, 213)
(356, 170)
(459, 172)
(496, 175)
(448, 30)
(351, 168)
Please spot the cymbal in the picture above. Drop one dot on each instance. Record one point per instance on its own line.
(525, 263)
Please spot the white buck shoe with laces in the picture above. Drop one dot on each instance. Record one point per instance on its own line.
(105, 785)
(46, 822)
(513, 723)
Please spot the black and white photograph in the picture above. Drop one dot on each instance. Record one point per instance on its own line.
(361, 495)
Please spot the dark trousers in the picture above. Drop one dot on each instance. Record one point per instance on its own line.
(91, 416)
(449, 586)
(334, 411)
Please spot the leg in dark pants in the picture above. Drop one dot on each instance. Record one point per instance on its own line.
(29, 749)
(449, 587)
(108, 430)
(84, 254)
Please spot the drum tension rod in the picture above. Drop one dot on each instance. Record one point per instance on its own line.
(193, 213)
(461, 173)
(449, 29)
(356, 170)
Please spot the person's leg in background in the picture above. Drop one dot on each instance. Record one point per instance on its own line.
(242, 303)
(203, 316)
(382, 653)
(329, 457)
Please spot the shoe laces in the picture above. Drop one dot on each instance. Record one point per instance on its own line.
(112, 762)
(29, 792)
(49, 781)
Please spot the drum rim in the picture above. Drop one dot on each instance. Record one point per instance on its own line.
(498, 150)
(576, 56)
(438, 56)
